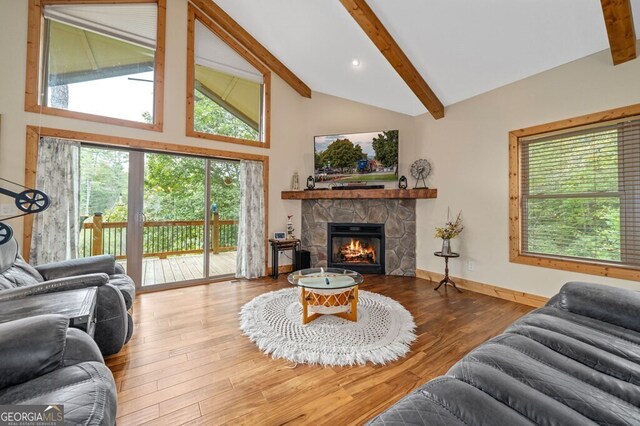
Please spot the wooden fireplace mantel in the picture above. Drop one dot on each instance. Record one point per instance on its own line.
(350, 194)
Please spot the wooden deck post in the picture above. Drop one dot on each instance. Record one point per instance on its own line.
(216, 233)
(97, 234)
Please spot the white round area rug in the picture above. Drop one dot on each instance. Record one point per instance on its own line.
(383, 332)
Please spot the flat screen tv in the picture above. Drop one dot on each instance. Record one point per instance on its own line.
(356, 157)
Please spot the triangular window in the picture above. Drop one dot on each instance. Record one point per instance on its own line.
(228, 88)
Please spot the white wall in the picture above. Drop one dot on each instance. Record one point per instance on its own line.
(294, 119)
(469, 153)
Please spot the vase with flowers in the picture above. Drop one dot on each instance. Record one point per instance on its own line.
(451, 229)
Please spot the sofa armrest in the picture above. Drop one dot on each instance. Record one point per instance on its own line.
(104, 264)
(616, 306)
(61, 284)
(80, 348)
(31, 347)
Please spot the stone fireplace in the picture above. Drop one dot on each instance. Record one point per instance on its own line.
(396, 222)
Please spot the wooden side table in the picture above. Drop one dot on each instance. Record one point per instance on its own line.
(282, 245)
(446, 279)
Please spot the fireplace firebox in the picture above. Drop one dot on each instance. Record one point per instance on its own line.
(356, 246)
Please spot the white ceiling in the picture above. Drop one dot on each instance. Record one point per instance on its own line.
(462, 48)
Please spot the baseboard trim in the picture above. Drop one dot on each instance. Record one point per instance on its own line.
(488, 289)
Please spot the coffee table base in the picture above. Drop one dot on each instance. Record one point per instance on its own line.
(343, 304)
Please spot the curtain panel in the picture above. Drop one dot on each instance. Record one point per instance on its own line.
(250, 260)
(56, 230)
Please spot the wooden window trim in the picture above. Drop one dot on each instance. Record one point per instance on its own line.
(193, 15)
(34, 62)
(34, 134)
(515, 239)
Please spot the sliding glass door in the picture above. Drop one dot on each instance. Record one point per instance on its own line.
(167, 218)
(173, 231)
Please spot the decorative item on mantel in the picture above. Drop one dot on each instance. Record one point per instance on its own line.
(402, 183)
(290, 229)
(448, 231)
(311, 183)
(295, 182)
(420, 169)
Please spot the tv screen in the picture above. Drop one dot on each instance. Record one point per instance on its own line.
(357, 157)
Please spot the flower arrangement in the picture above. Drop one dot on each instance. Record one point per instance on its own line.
(450, 229)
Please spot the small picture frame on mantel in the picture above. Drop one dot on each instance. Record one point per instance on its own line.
(279, 235)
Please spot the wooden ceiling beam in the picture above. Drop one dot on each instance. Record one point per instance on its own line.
(622, 36)
(369, 22)
(234, 29)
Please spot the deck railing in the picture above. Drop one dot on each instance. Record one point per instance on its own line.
(160, 238)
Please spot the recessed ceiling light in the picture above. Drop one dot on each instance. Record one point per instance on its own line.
(355, 62)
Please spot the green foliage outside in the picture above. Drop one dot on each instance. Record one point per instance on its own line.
(174, 187)
(581, 225)
(386, 148)
(103, 183)
(342, 154)
(174, 191)
(209, 117)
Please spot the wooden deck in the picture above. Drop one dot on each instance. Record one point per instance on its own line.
(189, 363)
(183, 268)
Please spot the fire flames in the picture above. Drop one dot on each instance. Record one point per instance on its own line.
(354, 252)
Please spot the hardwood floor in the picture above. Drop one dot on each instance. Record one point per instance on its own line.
(188, 362)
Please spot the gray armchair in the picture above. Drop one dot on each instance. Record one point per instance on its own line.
(43, 361)
(116, 291)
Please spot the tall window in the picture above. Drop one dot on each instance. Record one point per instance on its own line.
(99, 60)
(228, 87)
(579, 195)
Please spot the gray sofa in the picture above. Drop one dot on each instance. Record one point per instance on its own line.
(43, 361)
(116, 291)
(575, 361)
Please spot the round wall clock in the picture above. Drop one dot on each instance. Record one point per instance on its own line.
(420, 169)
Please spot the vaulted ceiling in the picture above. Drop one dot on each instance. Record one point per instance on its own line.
(461, 48)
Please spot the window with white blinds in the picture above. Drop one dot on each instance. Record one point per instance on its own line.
(580, 193)
(97, 60)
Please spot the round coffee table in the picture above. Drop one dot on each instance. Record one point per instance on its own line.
(330, 291)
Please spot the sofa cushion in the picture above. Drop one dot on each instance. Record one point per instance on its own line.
(20, 274)
(446, 401)
(609, 304)
(31, 347)
(102, 264)
(8, 254)
(604, 352)
(14, 271)
(573, 366)
(86, 390)
(539, 390)
(570, 362)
